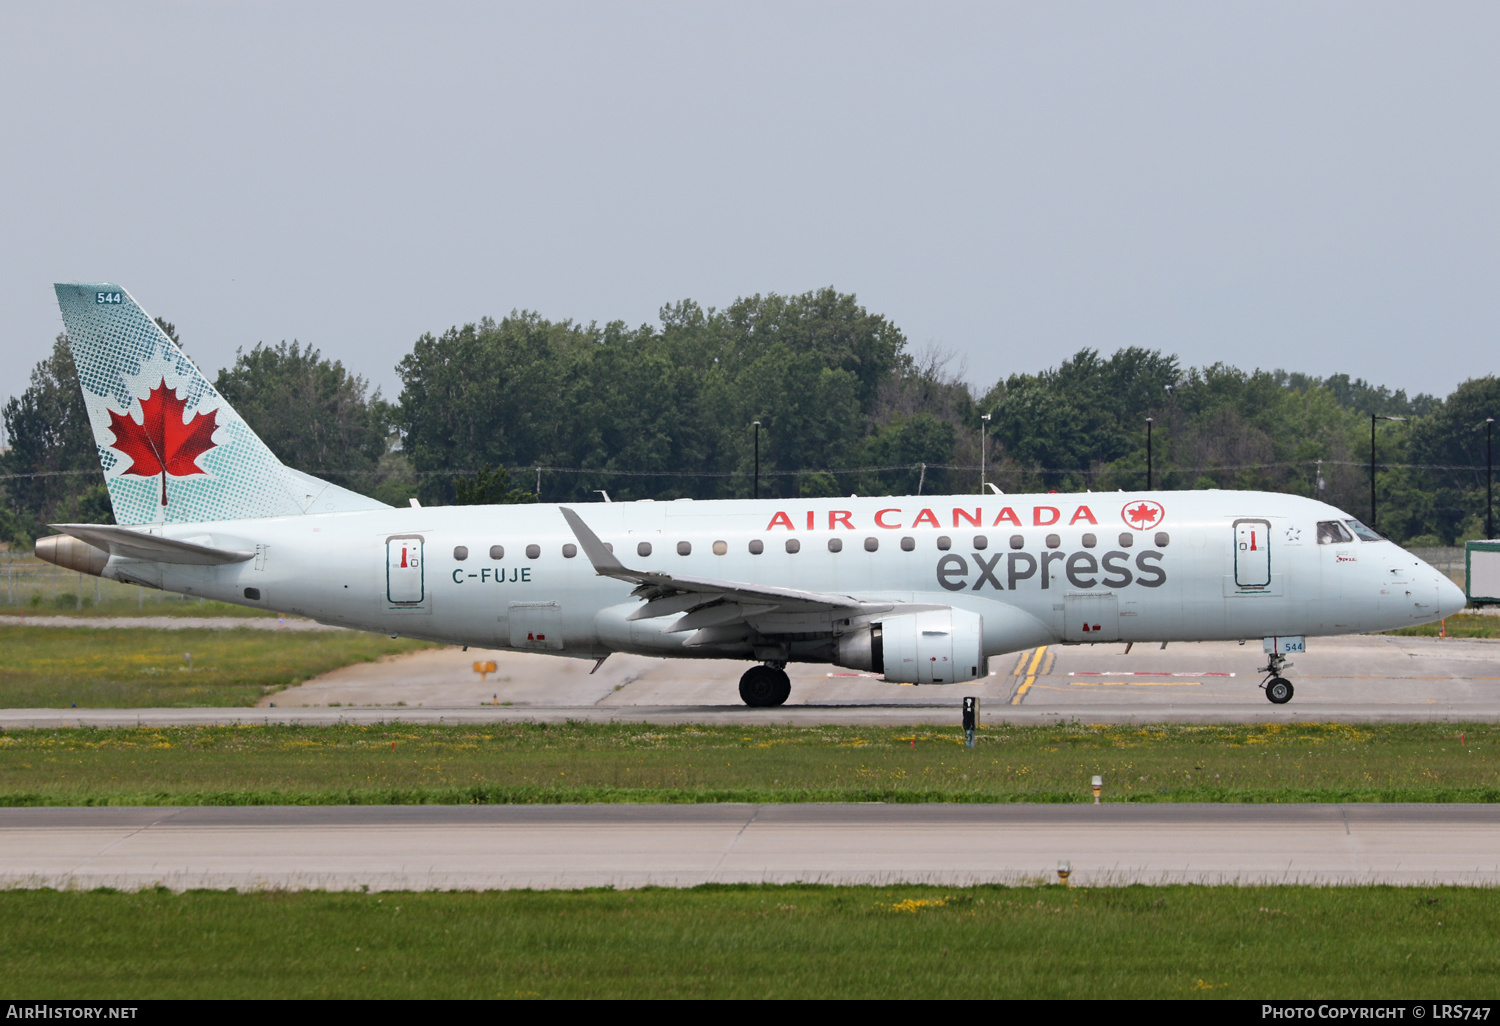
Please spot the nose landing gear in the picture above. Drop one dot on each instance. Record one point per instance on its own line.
(765, 686)
(1277, 688)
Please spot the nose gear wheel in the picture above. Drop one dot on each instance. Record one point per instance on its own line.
(1278, 689)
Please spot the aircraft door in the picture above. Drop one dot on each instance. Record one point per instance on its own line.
(1252, 553)
(404, 581)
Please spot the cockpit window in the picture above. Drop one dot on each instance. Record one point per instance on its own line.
(1362, 532)
(1331, 532)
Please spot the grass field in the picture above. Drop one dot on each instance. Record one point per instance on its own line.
(594, 762)
(128, 608)
(758, 941)
(55, 667)
(172, 605)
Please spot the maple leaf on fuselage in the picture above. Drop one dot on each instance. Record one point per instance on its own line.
(163, 443)
(1142, 514)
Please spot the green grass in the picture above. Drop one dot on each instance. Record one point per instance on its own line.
(1464, 625)
(758, 941)
(175, 606)
(55, 667)
(598, 762)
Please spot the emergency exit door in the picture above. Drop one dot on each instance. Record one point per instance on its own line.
(1252, 553)
(404, 583)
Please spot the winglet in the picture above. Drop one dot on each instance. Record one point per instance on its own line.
(605, 563)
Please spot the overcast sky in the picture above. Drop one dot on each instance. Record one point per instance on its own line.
(1304, 185)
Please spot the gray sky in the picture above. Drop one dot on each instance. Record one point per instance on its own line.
(1304, 185)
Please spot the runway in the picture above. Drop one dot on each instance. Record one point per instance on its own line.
(494, 847)
(1377, 678)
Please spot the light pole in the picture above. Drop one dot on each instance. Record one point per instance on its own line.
(757, 457)
(984, 439)
(1373, 418)
(1489, 477)
(1149, 422)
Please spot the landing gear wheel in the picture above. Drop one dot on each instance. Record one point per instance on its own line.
(1279, 690)
(765, 686)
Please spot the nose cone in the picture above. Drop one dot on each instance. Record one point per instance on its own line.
(1451, 599)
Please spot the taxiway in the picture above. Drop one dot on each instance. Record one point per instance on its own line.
(1378, 678)
(484, 847)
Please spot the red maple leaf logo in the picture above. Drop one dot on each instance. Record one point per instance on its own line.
(1143, 514)
(163, 443)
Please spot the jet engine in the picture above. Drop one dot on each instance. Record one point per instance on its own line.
(71, 553)
(940, 646)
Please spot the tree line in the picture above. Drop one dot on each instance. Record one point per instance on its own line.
(844, 403)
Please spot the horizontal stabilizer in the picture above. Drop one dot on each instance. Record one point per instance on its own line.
(128, 544)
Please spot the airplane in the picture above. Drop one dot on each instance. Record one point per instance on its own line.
(916, 589)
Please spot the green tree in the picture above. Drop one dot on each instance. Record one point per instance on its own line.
(487, 394)
(52, 465)
(312, 413)
(1448, 446)
(1064, 421)
(908, 442)
(489, 487)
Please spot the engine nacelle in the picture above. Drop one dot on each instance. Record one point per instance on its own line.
(71, 553)
(941, 646)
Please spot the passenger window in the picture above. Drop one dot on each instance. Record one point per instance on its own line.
(757, 547)
(720, 548)
(944, 542)
(460, 552)
(793, 545)
(1053, 541)
(1163, 539)
(835, 545)
(981, 542)
(497, 551)
(533, 551)
(871, 544)
(684, 548)
(1126, 539)
(1017, 542)
(643, 549)
(908, 543)
(570, 550)
(1331, 532)
(1362, 532)
(1089, 541)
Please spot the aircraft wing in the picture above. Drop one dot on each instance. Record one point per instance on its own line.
(128, 544)
(708, 604)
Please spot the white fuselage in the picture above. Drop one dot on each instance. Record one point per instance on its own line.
(1038, 569)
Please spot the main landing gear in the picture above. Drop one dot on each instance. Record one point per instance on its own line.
(765, 685)
(1278, 689)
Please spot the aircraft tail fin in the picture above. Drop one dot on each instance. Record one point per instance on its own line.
(173, 450)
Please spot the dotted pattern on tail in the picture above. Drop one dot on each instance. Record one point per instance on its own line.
(121, 354)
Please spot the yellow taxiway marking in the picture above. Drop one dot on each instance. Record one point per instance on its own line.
(1036, 661)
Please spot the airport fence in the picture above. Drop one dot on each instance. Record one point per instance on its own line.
(1449, 559)
(32, 585)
